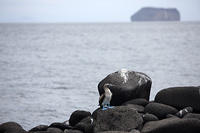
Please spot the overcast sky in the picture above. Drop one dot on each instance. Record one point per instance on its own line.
(89, 10)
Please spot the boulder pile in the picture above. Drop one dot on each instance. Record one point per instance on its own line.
(174, 110)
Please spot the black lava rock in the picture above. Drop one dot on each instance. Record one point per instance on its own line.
(39, 128)
(192, 115)
(127, 85)
(138, 108)
(77, 116)
(180, 97)
(149, 117)
(85, 125)
(160, 110)
(138, 101)
(54, 130)
(171, 116)
(59, 125)
(11, 127)
(119, 118)
(72, 131)
(172, 125)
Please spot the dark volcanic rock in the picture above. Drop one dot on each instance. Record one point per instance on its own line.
(85, 125)
(160, 110)
(138, 108)
(172, 125)
(127, 85)
(138, 101)
(54, 130)
(171, 116)
(192, 115)
(156, 14)
(39, 128)
(119, 118)
(72, 131)
(180, 97)
(149, 117)
(77, 116)
(11, 127)
(59, 125)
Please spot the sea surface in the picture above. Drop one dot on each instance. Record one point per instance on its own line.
(47, 71)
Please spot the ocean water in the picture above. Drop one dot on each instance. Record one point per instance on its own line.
(47, 71)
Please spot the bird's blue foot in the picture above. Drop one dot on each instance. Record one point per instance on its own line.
(104, 108)
(110, 107)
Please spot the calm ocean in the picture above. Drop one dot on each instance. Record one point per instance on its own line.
(49, 70)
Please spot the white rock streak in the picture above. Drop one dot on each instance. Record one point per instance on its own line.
(142, 78)
(124, 75)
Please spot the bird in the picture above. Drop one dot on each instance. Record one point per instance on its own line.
(105, 98)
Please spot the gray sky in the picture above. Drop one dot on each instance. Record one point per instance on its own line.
(88, 10)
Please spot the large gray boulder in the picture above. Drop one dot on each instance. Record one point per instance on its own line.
(127, 85)
(180, 97)
(119, 118)
(172, 125)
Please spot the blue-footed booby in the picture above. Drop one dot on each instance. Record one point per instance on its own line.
(105, 98)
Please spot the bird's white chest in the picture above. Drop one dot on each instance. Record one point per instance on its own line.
(108, 95)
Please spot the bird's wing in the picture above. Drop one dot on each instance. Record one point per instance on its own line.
(101, 98)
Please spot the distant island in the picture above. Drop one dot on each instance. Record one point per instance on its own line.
(156, 14)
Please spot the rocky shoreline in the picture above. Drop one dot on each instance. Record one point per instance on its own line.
(174, 110)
